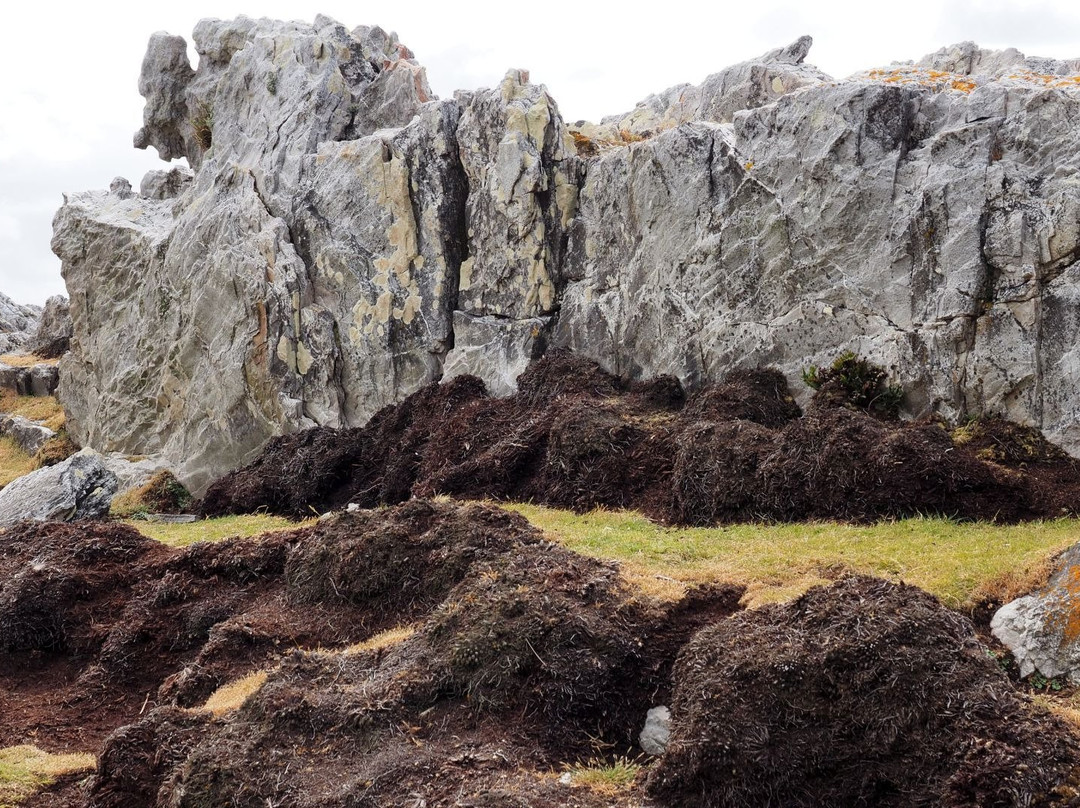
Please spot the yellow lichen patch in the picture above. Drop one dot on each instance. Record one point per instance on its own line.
(231, 696)
(1066, 614)
(26, 769)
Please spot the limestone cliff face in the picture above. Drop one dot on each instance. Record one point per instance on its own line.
(344, 237)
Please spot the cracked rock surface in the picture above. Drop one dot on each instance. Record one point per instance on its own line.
(346, 238)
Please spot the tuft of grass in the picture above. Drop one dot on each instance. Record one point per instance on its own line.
(26, 360)
(382, 640)
(232, 696)
(962, 563)
(224, 527)
(202, 125)
(606, 777)
(45, 409)
(26, 769)
(14, 462)
(163, 493)
(55, 450)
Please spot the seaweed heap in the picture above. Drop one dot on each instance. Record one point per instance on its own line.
(574, 436)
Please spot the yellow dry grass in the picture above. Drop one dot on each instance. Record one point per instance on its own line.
(961, 563)
(607, 778)
(382, 640)
(231, 696)
(26, 769)
(25, 360)
(224, 527)
(45, 409)
(14, 462)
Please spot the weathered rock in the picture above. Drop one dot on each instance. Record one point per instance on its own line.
(495, 349)
(164, 184)
(968, 59)
(654, 736)
(1042, 630)
(43, 379)
(132, 472)
(30, 435)
(80, 487)
(52, 338)
(918, 225)
(346, 238)
(17, 324)
(522, 194)
(746, 85)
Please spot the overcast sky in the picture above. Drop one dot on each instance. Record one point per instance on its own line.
(69, 103)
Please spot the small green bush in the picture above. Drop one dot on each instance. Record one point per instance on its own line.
(856, 383)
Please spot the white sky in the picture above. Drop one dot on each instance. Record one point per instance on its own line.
(69, 103)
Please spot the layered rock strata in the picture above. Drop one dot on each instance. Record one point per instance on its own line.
(346, 238)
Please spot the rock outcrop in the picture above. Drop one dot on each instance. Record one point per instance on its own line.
(17, 324)
(346, 238)
(1042, 630)
(81, 487)
(52, 337)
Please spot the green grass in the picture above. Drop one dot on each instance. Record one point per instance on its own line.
(26, 769)
(959, 562)
(213, 529)
(608, 778)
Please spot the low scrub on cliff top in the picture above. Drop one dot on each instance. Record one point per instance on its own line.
(963, 563)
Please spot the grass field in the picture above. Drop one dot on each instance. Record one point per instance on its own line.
(962, 563)
(213, 529)
(959, 562)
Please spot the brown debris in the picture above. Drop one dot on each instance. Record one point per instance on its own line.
(860, 693)
(577, 437)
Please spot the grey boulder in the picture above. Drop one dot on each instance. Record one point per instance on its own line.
(1042, 630)
(654, 737)
(30, 435)
(80, 487)
(52, 338)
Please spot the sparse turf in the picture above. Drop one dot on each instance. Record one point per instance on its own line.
(14, 462)
(231, 696)
(961, 563)
(26, 769)
(181, 535)
(45, 409)
(26, 360)
(606, 777)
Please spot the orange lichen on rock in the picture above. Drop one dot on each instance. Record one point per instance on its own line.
(1067, 616)
(1071, 82)
(936, 80)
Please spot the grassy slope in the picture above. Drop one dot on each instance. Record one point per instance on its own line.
(958, 562)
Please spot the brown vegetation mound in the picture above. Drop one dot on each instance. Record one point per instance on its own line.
(524, 655)
(97, 616)
(741, 450)
(861, 693)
